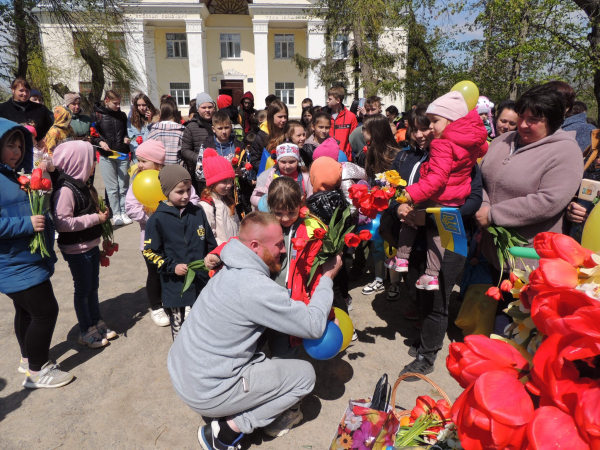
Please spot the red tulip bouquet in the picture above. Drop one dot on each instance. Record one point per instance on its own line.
(371, 201)
(540, 387)
(429, 423)
(109, 246)
(38, 190)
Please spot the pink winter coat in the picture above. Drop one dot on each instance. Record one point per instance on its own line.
(446, 178)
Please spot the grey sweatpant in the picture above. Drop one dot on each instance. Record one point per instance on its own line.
(116, 181)
(263, 391)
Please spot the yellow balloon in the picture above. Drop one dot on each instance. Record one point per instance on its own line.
(146, 189)
(590, 238)
(346, 327)
(469, 91)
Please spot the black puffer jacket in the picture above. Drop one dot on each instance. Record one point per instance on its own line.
(260, 142)
(197, 130)
(112, 128)
(28, 113)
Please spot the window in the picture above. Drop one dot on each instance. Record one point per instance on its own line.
(284, 46)
(340, 47)
(85, 87)
(123, 90)
(116, 44)
(285, 92)
(181, 93)
(177, 45)
(230, 45)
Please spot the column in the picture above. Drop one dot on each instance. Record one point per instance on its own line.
(150, 57)
(261, 61)
(196, 41)
(134, 42)
(315, 49)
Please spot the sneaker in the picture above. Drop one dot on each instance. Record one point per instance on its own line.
(428, 283)
(49, 377)
(374, 287)
(160, 317)
(284, 423)
(397, 264)
(23, 366)
(92, 339)
(349, 303)
(393, 293)
(104, 331)
(354, 336)
(208, 441)
(413, 350)
(126, 220)
(419, 365)
(118, 221)
(389, 263)
(411, 314)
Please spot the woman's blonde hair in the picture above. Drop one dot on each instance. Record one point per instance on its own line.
(112, 95)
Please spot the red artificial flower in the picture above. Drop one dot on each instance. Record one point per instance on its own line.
(104, 262)
(587, 417)
(552, 428)
(139, 139)
(480, 354)
(356, 191)
(553, 312)
(235, 160)
(506, 286)
(553, 275)
(494, 292)
(426, 405)
(36, 183)
(304, 211)
(319, 233)
(493, 413)
(23, 180)
(365, 235)
(556, 245)
(46, 184)
(351, 240)
(298, 243)
(237, 150)
(248, 166)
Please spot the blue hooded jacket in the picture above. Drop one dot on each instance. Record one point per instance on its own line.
(19, 268)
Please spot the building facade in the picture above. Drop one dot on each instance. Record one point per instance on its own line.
(229, 47)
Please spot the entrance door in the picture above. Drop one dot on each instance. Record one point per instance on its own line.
(233, 88)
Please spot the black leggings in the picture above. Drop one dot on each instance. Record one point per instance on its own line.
(153, 286)
(36, 311)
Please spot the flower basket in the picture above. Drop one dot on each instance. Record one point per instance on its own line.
(405, 413)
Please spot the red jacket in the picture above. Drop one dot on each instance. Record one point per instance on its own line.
(341, 127)
(446, 178)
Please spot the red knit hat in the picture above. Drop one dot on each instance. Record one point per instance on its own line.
(216, 168)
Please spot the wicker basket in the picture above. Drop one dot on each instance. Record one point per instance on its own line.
(400, 414)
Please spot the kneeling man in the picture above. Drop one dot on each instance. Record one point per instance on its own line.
(214, 363)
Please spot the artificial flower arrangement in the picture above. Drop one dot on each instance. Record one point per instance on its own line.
(371, 201)
(540, 387)
(38, 190)
(109, 246)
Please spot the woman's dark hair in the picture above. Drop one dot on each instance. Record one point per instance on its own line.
(383, 146)
(20, 82)
(311, 111)
(170, 111)
(320, 115)
(417, 118)
(274, 133)
(543, 101)
(506, 104)
(192, 109)
(137, 120)
(566, 91)
(284, 194)
(392, 110)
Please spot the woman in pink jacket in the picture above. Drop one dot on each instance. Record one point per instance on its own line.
(460, 138)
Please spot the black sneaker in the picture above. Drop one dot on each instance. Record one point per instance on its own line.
(208, 441)
(419, 365)
(413, 350)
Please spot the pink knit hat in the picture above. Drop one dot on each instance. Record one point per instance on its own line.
(216, 168)
(329, 147)
(452, 106)
(152, 151)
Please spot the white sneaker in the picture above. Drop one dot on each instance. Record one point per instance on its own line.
(126, 220)
(284, 423)
(354, 336)
(118, 220)
(160, 317)
(23, 366)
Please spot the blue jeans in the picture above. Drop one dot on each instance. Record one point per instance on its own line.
(85, 268)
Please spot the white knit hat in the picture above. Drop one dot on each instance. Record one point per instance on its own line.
(288, 149)
(484, 105)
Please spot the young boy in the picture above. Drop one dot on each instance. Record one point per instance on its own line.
(223, 141)
(177, 234)
(261, 116)
(307, 102)
(343, 122)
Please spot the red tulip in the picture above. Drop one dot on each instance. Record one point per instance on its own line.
(36, 183)
(480, 354)
(426, 405)
(552, 312)
(115, 247)
(105, 245)
(365, 235)
(551, 428)
(493, 413)
(365, 149)
(357, 191)
(319, 233)
(102, 255)
(553, 275)
(587, 417)
(389, 193)
(380, 200)
(513, 277)
(110, 251)
(104, 262)
(351, 240)
(506, 286)
(494, 292)
(237, 150)
(46, 184)
(211, 273)
(23, 180)
(526, 295)
(248, 166)
(235, 160)
(298, 243)
(304, 211)
(37, 173)
(139, 139)
(556, 245)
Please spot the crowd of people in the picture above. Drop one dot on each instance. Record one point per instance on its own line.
(237, 183)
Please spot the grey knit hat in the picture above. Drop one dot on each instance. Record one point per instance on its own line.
(170, 176)
(203, 97)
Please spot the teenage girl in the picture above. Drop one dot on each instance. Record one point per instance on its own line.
(321, 123)
(270, 132)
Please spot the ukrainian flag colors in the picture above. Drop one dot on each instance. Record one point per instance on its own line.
(451, 229)
(266, 162)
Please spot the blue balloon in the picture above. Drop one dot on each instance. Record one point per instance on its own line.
(342, 157)
(328, 345)
(373, 227)
(262, 204)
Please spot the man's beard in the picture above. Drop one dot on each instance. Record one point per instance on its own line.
(273, 265)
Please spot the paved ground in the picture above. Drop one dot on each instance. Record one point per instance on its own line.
(122, 396)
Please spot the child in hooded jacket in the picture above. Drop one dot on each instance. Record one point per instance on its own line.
(177, 234)
(79, 222)
(151, 156)
(460, 138)
(61, 130)
(217, 199)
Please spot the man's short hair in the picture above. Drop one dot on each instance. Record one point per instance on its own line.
(579, 107)
(221, 117)
(270, 99)
(256, 218)
(373, 101)
(337, 92)
(307, 100)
